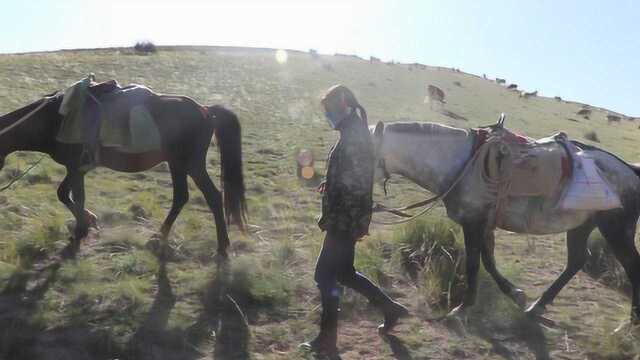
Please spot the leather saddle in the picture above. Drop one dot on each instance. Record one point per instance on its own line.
(525, 166)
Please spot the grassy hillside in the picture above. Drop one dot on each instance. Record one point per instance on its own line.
(115, 301)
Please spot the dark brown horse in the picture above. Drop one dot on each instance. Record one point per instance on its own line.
(185, 128)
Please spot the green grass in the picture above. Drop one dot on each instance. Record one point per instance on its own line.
(113, 285)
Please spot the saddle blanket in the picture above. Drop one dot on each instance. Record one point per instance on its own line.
(124, 120)
(588, 190)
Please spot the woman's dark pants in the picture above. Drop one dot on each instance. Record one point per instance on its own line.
(335, 265)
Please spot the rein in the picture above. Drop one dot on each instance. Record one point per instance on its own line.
(18, 178)
(27, 116)
(46, 100)
(481, 137)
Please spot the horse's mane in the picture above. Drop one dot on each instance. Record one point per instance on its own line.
(29, 106)
(425, 128)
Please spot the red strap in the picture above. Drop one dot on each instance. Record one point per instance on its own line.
(481, 137)
(204, 111)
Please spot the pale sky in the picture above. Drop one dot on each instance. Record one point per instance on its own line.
(586, 51)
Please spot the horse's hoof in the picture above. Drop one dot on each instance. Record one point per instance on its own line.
(520, 298)
(455, 323)
(627, 326)
(91, 219)
(535, 310)
(69, 252)
(221, 258)
(458, 311)
(153, 245)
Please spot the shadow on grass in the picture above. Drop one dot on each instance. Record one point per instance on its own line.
(221, 319)
(152, 340)
(24, 336)
(21, 335)
(509, 341)
(224, 316)
(399, 350)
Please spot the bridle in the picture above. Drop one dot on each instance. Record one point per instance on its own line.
(480, 138)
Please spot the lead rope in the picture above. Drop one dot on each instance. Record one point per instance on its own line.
(399, 211)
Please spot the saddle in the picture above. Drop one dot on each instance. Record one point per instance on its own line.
(109, 115)
(524, 166)
(552, 172)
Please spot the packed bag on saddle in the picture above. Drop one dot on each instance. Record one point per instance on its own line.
(587, 189)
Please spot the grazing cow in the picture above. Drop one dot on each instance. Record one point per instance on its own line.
(527, 95)
(613, 118)
(586, 112)
(512, 87)
(558, 98)
(348, 56)
(434, 95)
(484, 76)
(373, 59)
(500, 81)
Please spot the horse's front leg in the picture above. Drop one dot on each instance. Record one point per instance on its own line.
(64, 195)
(488, 260)
(76, 182)
(474, 233)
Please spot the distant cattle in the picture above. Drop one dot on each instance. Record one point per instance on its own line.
(348, 56)
(435, 95)
(613, 118)
(527, 95)
(373, 59)
(484, 76)
(457, 83)
(512, 87)
(558, 98)
(585, 112)
(313, 53)
(500, 81)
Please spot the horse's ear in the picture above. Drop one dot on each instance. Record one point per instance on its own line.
(501, 120)
(379, 129)
(377, 134)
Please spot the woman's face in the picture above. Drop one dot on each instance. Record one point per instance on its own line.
(334, 111)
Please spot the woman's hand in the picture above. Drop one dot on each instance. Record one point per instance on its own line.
(322, 188)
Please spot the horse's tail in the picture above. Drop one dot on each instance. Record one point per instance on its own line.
(228, 137)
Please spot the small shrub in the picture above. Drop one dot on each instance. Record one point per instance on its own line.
(591, 135)
(602, 264)
(145, 47)
(251, 283)
(432, 256)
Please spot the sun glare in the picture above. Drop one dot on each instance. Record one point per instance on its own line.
(281, 56)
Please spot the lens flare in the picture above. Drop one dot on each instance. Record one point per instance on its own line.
(281, 56)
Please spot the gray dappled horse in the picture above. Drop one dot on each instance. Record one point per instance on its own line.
(433, 155)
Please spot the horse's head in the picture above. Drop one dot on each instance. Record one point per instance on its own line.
(381, 173)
